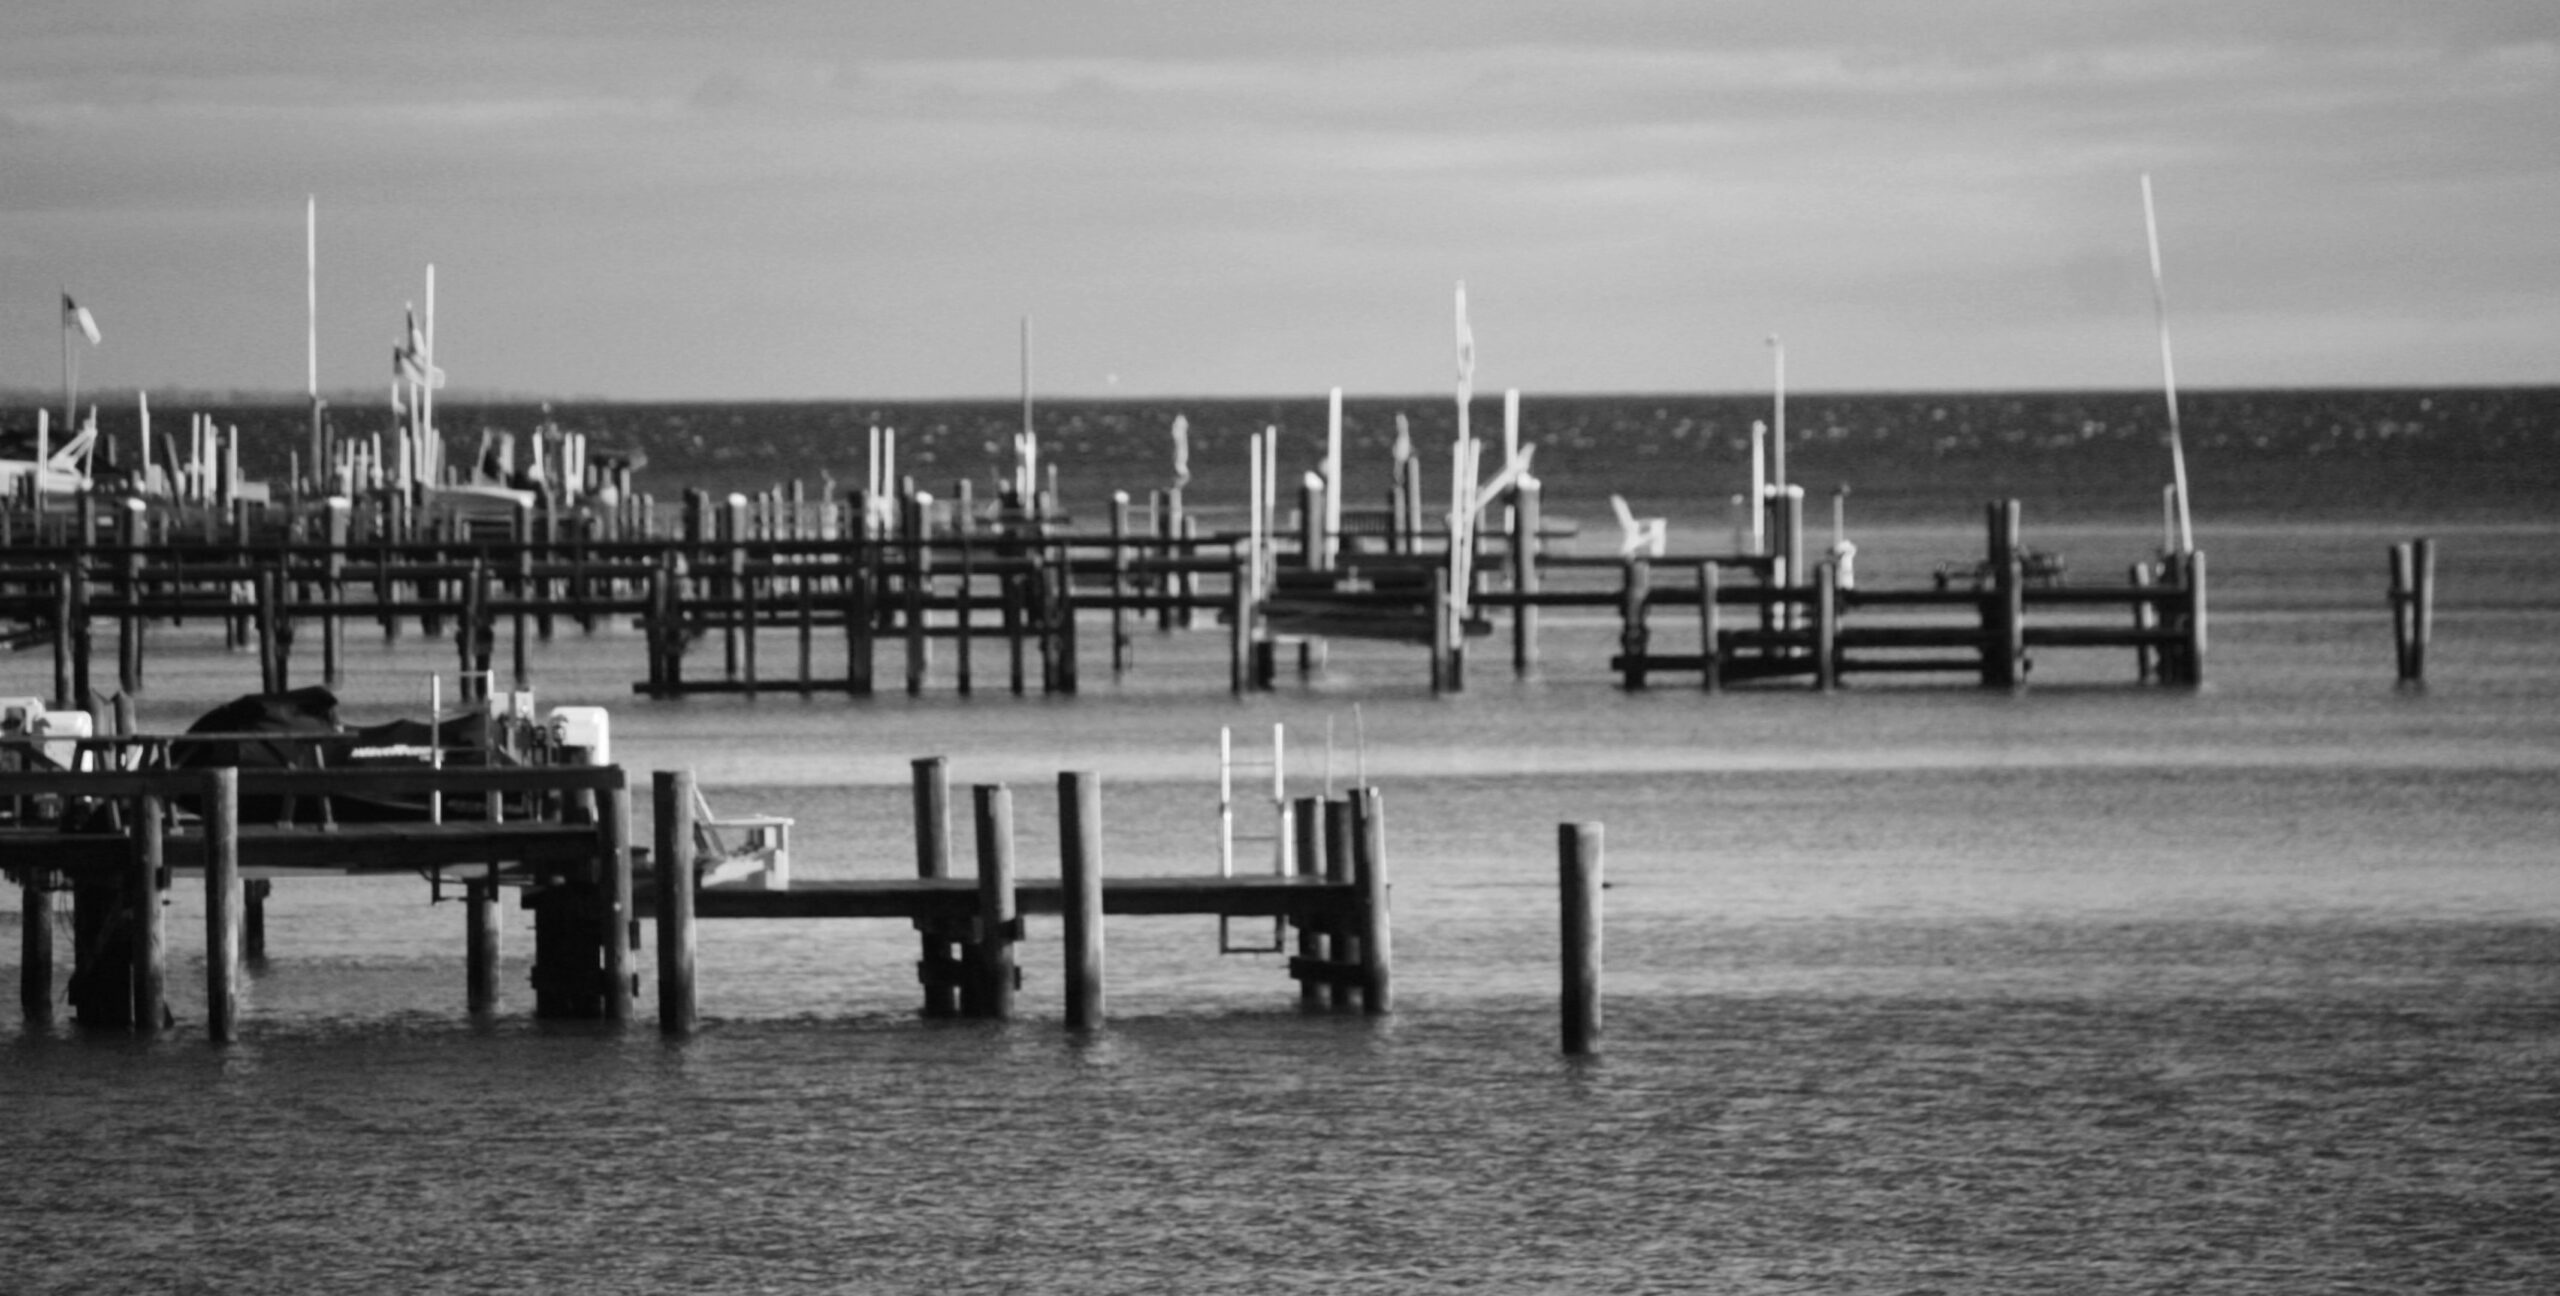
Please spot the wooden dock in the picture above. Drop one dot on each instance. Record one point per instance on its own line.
(113, 841)
(872, 594)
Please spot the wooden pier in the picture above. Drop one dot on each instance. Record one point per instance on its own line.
(114, 841)
(970, 925)
(874, 593)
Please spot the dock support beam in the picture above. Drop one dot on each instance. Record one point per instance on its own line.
(1080, 869)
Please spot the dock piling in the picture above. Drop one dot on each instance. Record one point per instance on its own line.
(222, 904)
(150, 926)
(1369, 870)
(939, 967)
(671, 857)
(1080, 868)
(2413, 580)
(998, 925)
(1578, 848)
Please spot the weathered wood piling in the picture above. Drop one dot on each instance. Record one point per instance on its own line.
(2413, 606)
(1580, 883)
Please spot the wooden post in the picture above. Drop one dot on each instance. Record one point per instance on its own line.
(996, 919)
(1240, 628)
(961, 656)
(2192, 669)
(1369, 870)
(221, 904)
(861, 595)
(2146, 618)
(937, 965)
(129, 627)
(671, 855)
(1343, 943)
(1119, 581)
(2412, 606)
(1080, 870)
(2003, 610)
(1186, 582)
(270, 653)
(1063, 618)
(333, 630)
(2404, 608)
(1579, 861)
(1306, 822)
(66, 608)
(253, 919)
(1634, 639)
(1711, 626)
(1167, 507)
(150, 926)
(913, 527)
(1444, 635)
(480, 945)
(1525, 508)
(2424, 554)
(613, 904)
(1826, 625)
(35, 949)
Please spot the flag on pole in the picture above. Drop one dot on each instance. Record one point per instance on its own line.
(1181, 452)
(77, 318)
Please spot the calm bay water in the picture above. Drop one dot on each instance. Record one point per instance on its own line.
(1912, 988)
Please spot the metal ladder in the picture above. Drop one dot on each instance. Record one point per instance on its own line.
(1281, 848)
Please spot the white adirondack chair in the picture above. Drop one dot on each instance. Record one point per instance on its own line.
(1636, 535)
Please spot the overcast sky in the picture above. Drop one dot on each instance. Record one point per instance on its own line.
(655, 200)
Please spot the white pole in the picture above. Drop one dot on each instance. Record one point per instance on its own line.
(1510, 427)
(1778, 444)
(1025, 473)
(1759, 486)
(142, 403)
(2168, 372)
(311, 293)
(430, 458)
(1333, 476)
